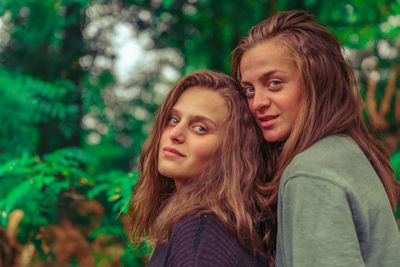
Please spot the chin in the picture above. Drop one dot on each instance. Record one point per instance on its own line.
(274, 138)
(166, 172)
(271, 139)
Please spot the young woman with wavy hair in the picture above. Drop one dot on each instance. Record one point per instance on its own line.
(201, 175)
(333, 190)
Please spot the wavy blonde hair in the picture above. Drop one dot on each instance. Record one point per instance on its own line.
(331, 103)
(230, 186)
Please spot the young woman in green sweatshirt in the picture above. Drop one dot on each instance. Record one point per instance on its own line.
(333, 191)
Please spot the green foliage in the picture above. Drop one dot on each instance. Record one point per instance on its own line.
(117, 186)
(37, 186)
(33, 102)
(395, 161)
(30, 179)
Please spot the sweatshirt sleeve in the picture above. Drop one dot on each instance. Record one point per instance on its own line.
(315, 225)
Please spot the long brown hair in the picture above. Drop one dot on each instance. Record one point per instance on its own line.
(230, 186)
(331, 103)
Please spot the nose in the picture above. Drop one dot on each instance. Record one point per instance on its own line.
(261, 100)
(177, 134)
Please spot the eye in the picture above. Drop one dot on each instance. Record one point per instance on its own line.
(173, 121)
(274, 83)
(249, 91)
(200, 129)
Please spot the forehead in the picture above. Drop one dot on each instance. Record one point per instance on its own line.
(271, 55)
(201, 101)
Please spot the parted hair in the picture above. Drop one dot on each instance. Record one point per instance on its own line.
(331, 103)
(230, 186)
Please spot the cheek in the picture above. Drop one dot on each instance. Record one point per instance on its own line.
(251, 106)
(204, 151)
(295, 108)
(163, 137)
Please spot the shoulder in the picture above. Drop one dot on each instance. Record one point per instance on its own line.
(334, 148)
(187, 225)
(334, 181)
(334, 159)
(203, 240)
(335, 164)
(179, 250)
(197, 227)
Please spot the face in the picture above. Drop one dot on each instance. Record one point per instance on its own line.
(192, 134)
(273, 87)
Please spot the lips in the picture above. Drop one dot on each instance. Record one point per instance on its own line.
(267, 117)
(172, 152)
(267, 120)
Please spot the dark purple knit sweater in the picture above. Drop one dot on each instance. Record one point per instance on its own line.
(202, 240)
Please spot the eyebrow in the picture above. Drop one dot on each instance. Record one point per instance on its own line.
(195, 117)
(265, 75)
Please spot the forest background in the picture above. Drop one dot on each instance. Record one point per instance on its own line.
(80, 81)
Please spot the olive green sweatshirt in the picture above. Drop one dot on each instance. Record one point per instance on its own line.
(333, 210)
